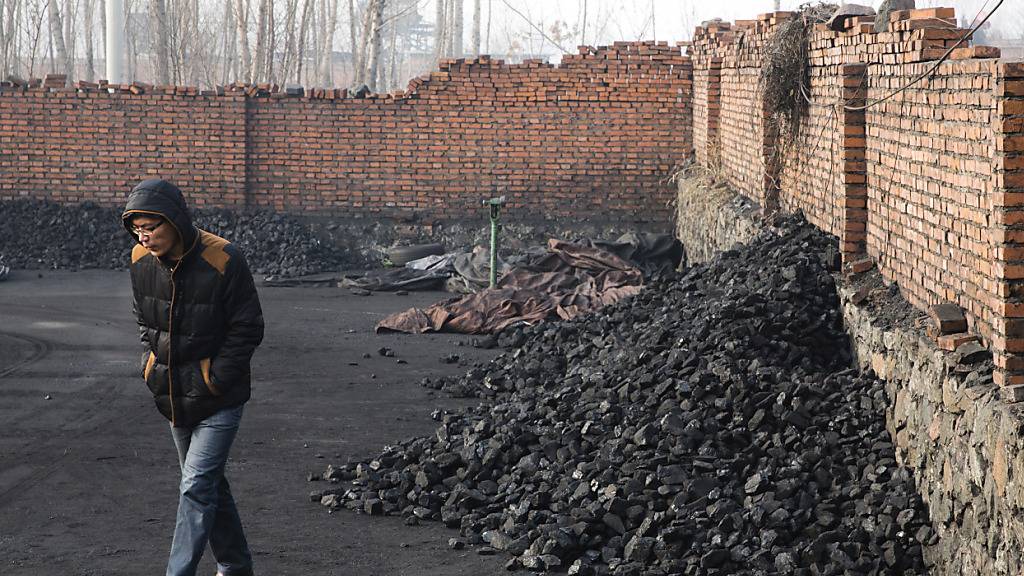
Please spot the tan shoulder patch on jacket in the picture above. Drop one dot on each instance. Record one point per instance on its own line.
(138, 251)
(213, 251)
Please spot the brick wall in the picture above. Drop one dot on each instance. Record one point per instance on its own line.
(595, 137)
(704, 79)
(926, 183)
(740, 130)
(1007, 220)
(929, 167)
(811, 179)
(75, 146)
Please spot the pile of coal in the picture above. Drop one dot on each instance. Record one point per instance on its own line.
(38, 234)
(275, 244)
(709, 425)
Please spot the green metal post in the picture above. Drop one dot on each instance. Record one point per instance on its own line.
(494, 245)
(495, 205)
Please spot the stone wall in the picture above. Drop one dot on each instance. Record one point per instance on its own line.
(961, 439)
(593, 138)
(711, 217)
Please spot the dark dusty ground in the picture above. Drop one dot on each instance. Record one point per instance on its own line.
(88, 478)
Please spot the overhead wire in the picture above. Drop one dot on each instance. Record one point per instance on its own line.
(931, 70)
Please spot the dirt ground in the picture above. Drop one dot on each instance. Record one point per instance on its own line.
(88, 474)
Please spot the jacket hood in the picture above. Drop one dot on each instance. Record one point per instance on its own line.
(161, 198)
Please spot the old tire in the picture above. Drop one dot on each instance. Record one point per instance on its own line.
(401, 255)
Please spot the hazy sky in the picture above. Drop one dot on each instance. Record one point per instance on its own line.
(674, 20)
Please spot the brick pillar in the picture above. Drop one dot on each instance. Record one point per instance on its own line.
(1007, 342)
(771, 184)
(248, 104)
(854, 166)
(714, 112)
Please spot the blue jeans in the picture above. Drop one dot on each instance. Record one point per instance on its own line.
(206, 510)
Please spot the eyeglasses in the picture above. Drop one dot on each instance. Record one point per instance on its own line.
(141, 231)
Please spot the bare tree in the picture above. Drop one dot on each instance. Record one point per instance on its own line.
(70, 17)
(376, 9)
(8, 37)
(204, 43)
(440, 19)
(229, 45)
(304, 28)
(457, 49)
(242, 23)
(449, 32)
(329, 23)
(35, 29)
(202, 52)
(190, 53)
(555, 38)
(90, 60)
(160, 38)
(3, 37)
(392, 76)
(260, 65)
(476, 28)
(353, 25)
(131, 38)
(289, 39)
(360, 51)
(271, 41)
(103, 27)
(583, 25)
(60, 51)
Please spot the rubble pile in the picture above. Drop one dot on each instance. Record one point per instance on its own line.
(40, 234)
(709, 425)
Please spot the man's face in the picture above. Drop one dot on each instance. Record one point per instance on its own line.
(156, 235)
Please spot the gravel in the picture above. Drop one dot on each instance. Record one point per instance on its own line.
(709, 425)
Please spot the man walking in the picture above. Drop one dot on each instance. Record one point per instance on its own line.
(200, 321)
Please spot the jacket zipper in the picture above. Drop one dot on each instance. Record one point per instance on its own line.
(170, 313)
(170, 326)
(170, 340)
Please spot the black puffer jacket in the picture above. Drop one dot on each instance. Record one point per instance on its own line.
(200, 318)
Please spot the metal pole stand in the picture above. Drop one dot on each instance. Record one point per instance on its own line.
(495, 205)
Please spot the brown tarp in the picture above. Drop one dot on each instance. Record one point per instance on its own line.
(569, 280)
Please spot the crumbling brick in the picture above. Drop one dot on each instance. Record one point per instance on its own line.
(950, 342)
(948, 318)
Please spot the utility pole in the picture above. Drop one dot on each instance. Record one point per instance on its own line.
(654, 26)
(115, 41)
